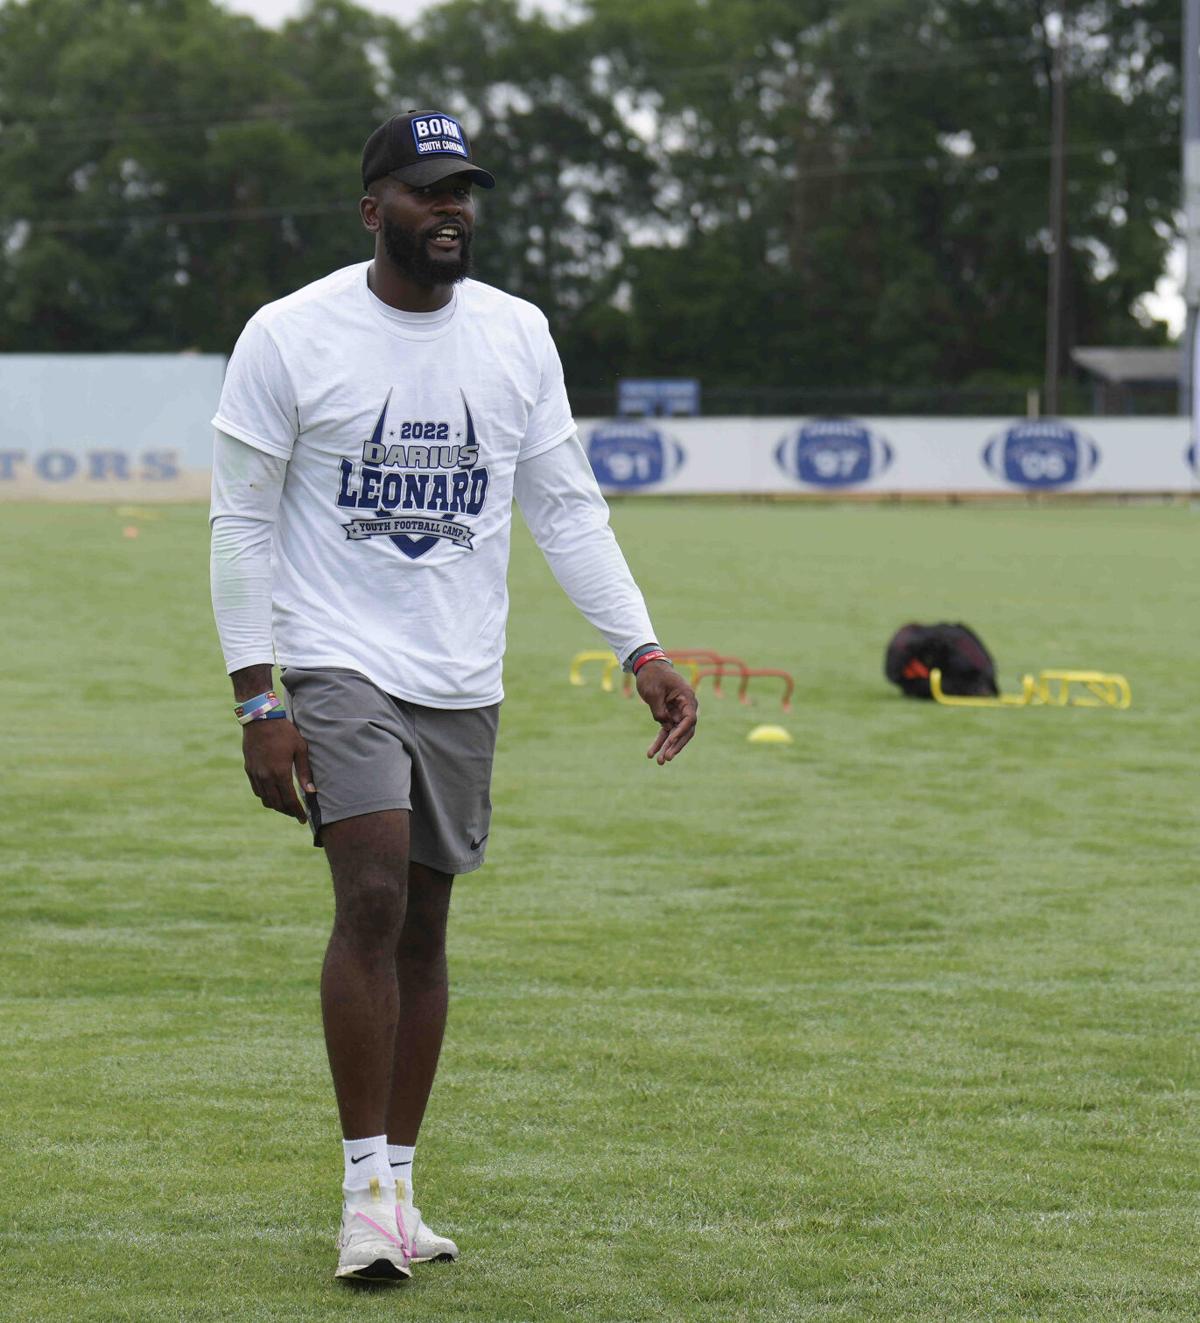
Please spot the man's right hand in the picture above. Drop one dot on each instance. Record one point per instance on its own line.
(271, 749)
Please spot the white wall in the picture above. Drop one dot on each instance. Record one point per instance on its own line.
(107, 426)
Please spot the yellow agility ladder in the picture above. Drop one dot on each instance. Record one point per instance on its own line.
(1048, 689)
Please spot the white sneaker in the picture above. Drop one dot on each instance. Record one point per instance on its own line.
(373, 1244)
(425, 1245)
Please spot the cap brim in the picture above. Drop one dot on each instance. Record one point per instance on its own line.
(441, 167)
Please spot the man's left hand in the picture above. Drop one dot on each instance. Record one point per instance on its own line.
(673, 705)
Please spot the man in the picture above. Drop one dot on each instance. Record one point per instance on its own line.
(373, 430)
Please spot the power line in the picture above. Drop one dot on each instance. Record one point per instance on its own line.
(178, 120)
(48, 126)
(279, 211)
(153, 219)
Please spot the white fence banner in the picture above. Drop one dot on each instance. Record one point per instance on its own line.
(136, 427)
(891, 456)
(107, 426)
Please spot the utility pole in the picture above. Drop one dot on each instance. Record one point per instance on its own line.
(1058, 216)
(1188, 401)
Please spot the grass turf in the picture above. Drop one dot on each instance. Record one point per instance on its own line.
(894, 1023)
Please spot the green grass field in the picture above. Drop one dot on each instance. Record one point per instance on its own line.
(898, 1022)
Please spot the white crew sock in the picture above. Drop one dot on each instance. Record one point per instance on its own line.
(400, 1160)
(364, 1159)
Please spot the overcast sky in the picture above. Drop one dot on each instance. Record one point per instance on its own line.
(274, 12)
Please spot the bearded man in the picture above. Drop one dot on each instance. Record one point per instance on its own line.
(373, 431)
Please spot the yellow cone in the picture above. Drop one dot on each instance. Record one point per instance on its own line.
(769, 735)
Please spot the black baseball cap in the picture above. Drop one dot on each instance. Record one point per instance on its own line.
(420, 148)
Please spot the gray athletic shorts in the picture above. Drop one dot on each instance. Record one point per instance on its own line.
(370, 751)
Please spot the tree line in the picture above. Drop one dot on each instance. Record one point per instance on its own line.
(759, 193)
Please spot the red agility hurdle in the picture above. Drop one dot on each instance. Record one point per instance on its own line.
(700, 664)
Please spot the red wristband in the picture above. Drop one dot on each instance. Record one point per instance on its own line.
(656, 655)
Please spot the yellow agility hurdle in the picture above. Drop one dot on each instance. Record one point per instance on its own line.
(1050, 688)
(1023, 699)
(575, 674)
(612, 666)
(1101, 689)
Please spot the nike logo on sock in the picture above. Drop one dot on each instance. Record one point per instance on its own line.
(476, 844)
(401, 1164)
(355, 1161)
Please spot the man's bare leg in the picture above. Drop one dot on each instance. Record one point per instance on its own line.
(360, 999)
(423, 984)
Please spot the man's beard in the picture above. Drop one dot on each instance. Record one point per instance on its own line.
(407, 250)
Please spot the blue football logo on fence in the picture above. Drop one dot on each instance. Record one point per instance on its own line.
(1041, 453)
(632, 455)
(831, 452)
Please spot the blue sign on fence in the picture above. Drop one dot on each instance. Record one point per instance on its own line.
(661, 397)
(833, 452)
(630, 455)
(1041, 453)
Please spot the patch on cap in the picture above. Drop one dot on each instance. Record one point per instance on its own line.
(438, 135)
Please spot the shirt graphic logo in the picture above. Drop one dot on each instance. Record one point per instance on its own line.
(433, 482)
